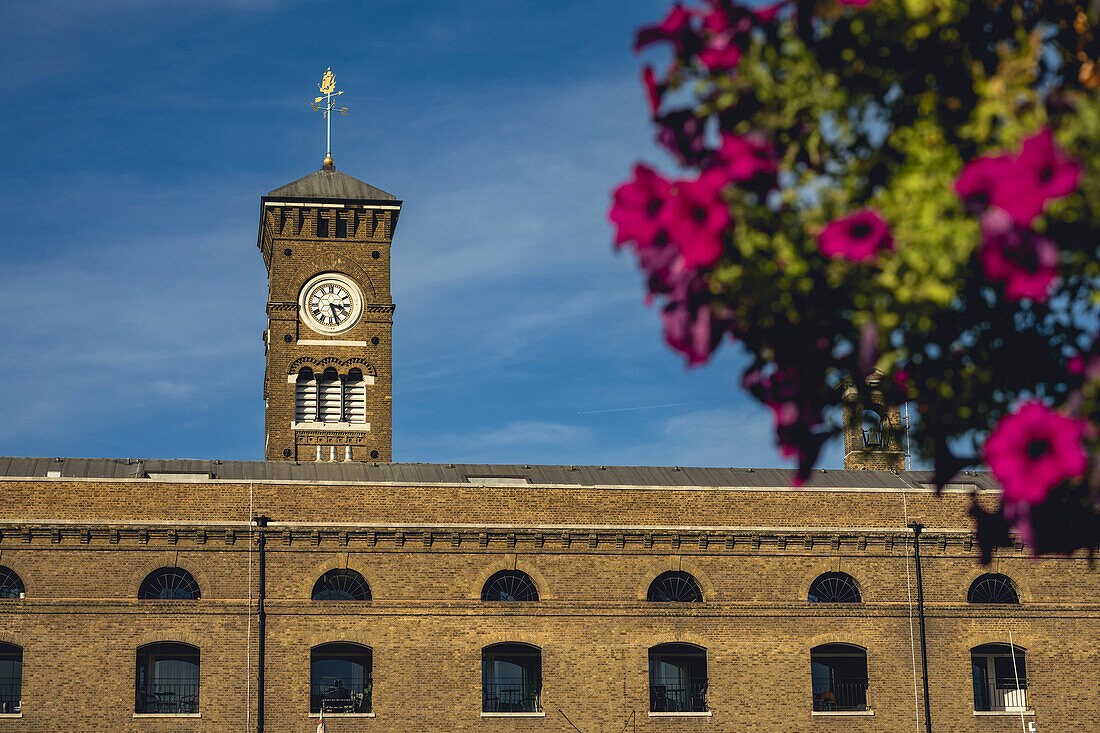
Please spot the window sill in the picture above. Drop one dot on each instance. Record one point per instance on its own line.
(167, 715)
(1013, 713)
(700, 714)
(513, 715)
(363, 427)
(831, 713)
(4, 716)
(346, 715)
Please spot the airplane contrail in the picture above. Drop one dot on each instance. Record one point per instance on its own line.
(641, 407)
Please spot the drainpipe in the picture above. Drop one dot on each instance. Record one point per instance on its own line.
(916, 527)
(261, 522)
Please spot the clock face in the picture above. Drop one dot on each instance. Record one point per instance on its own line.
(330, 303)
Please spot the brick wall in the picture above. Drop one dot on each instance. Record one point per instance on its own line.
(83, 547)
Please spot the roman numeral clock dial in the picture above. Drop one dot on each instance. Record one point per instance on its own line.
(330, 303)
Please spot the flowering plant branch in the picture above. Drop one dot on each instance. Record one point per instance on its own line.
(905, 190)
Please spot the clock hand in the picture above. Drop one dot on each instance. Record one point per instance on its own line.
(333, 307)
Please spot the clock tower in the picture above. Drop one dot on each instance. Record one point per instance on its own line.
(325, 240)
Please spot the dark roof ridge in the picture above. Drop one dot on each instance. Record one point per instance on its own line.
(331, 184)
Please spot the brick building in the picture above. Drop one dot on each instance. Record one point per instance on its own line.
(166, 595)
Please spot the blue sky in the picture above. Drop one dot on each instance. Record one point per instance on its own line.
(138, 137)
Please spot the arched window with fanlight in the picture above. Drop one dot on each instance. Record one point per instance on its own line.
(509, 585)
(872, 429)
(675, 586)
(992, 588)
(11, 585)
(169, 584)
(11, 678)
(834, 588)
(342, 584)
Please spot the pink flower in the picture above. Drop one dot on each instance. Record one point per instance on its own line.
(1022, 259)
(978, 178)
(692, 332)
(769, 13)
(1022, 184)
(697, 218)
(745, 157)
(637, 208)
(1034, 449)
(1042, 171)
(726, 31)
(675, 28)
(856, 238)
(653, 90)
(720, 53)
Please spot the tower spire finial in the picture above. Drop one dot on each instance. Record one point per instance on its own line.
(327, 106)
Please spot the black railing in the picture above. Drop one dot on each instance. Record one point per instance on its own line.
(10, 693)
(844, 695)
(1000, 696)
(169, 698)
(341, 698)
(678, 696)
(511, 696)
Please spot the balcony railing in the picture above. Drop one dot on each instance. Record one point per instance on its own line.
(169, 697)
(844, 695)
(678, 696)
(10, 693)
(341, 698)
(1002, 696)
(510, 696)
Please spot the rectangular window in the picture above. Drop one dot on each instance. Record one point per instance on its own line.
(1000, 678)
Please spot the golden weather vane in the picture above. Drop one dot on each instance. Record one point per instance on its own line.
(327, 106)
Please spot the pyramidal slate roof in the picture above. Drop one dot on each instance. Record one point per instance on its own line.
(331, 184)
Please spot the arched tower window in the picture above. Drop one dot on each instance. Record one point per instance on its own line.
(329, 397)
(510, 585)
(305, 396)
(677, 678)
(341, 585)
(340, 678)
(169, 584)
(992, 588)
(11, 678)
(11, 585)
(675, 586)
(872, 429)
(511, 678)
(167, 679)
(834, 588)
(355, 397)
